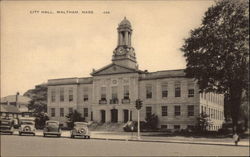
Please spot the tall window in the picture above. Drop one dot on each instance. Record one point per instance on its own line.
(177, 89)
(148, 111)
(70, 94)
(53, 112)
(70, 110)
(191, 93)
(114, 92)
(53, 95)
(61, 112)
(148, 91)
(85, 112)
(164, 111)
(177, 110)
(190, 110)
(126, 92)
(85, 94)
(164, 90)
(61, 94)
(103, 93)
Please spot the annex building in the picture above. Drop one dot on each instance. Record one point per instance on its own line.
(110, 93)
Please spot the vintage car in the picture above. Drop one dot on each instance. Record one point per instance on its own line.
(52, 128)
(6, 126)
(27, 126)
(80, 129)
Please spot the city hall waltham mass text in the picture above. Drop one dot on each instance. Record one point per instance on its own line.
(110, 93)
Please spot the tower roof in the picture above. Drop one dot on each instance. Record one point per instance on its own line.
(125, 23)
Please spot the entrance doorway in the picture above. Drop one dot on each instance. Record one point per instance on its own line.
(125, 113)
(103, 117)
(114, 115)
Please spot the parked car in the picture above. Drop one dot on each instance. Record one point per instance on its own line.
(7, 126)
(80, 129)
(131, 126)
(27, 126)
(52, 128)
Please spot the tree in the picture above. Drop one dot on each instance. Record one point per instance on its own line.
(40, 120)
(217, 53)
(74, 117)
(38, 97)
(203, 122)
(151, 121)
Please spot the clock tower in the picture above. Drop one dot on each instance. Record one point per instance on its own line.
(124, 54)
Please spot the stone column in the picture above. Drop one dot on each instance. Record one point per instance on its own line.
(120, 115)
(129, 39)
(126, 38)
(108, 115)
(120, 38)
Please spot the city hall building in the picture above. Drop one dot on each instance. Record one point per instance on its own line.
(110, 93)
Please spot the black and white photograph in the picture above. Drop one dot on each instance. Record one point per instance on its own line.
(124, 78)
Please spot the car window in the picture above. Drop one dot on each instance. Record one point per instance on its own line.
(52, 124)
(5, 123)
(27, 123)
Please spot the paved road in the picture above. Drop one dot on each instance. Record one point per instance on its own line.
(13, 145)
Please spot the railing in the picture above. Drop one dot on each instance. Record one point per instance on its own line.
(125, 101)
(103, 101)
(114, 101)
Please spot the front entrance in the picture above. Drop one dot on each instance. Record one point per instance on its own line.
(114, 115)
(125, 113)
(103, 119)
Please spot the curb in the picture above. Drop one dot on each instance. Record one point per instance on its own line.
(179, 142)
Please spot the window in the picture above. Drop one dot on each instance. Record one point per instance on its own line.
(190, 127)
(53, 95)
(61, 112)
(191, 93)
(190, 110)
(91, 115)
(177, 127)
(177, 89)
(177, 110)
(53, 112)
(148, 91)
(70, 94)
(85, 112)
(61, 94)
(148, 111)
(114, 92)
(103, 93)
(126, 92)
(85, 94)
(164, 111)
(70, 110)
(164, 90)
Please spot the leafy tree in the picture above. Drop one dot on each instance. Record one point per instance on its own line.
(203, 122)
(217, 53)
(40, 120)
(38, 97)
(74, 117)
(152, 121)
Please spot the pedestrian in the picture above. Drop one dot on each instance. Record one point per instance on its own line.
(236, 138)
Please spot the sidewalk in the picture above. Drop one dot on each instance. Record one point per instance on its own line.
(145, 137)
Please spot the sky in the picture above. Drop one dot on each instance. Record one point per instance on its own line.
(37, 46)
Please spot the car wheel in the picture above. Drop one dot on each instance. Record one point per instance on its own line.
(20, 134)
(44, 135)
(59, 135)
(88, 137)
(72, 136)
(34, 134)
(84, 137)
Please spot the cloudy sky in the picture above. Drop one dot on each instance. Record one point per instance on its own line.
(36, 46)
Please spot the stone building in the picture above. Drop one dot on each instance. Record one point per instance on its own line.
(110, 93)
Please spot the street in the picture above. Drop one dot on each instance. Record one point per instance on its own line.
(14, 145)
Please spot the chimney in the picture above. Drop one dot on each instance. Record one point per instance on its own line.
(17, 94)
